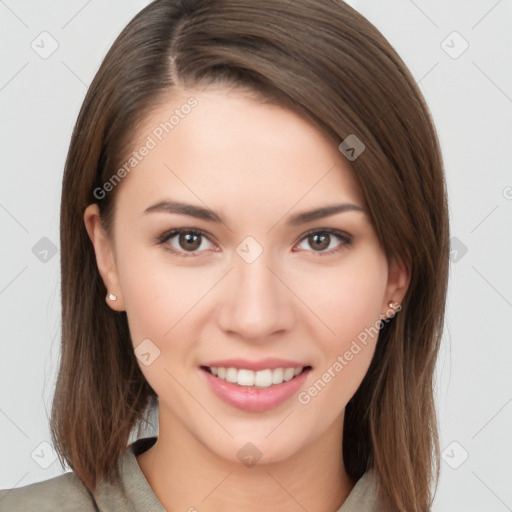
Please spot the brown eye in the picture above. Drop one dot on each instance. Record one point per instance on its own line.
(185, 242)
(319, 241)
(325, 241)
(189, 241)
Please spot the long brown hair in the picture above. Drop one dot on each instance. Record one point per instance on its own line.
(328, 63)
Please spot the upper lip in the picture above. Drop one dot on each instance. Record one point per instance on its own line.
(263, 364)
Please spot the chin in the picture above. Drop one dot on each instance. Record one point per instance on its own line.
(251, 446)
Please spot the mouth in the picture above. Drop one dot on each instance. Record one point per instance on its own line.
(255, 385)
(256, 379)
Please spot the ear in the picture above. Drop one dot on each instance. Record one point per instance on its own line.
(398, 283)
(105, 255)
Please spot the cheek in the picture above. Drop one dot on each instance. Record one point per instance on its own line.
(347, 298)
(156, 293)
(351, 309)
(147, 296)
(160, 302)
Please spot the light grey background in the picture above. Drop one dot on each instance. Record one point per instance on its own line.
(470, 96)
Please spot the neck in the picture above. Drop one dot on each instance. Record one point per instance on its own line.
(186, 475)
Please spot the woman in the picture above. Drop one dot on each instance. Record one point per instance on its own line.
(254, 239)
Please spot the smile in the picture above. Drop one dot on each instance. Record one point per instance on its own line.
(256, 379)
(263, 386)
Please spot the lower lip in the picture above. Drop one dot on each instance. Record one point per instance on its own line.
(255, 399)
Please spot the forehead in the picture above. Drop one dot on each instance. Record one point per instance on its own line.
(223, 144)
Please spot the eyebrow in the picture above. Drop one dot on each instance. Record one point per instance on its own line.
(209, 215)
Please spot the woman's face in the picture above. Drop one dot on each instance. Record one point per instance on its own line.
(219, 261)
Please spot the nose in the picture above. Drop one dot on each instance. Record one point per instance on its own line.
(256, 303)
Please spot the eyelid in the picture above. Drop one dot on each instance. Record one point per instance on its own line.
(331, 231)
(176, 231)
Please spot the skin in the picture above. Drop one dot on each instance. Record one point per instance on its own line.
(255, 165)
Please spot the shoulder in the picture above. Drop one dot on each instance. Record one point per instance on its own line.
(63, 493)
(364, 497)
(66, 493)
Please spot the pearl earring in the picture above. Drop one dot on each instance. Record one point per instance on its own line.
(111, 296)
(395, 306)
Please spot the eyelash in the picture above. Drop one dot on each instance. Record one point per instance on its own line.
(345, 238)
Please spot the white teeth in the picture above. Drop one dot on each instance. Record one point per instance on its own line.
(259, 379)
(232, 375)
(263, 378)
(245, 378)
(288, 374)
(277, 375)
